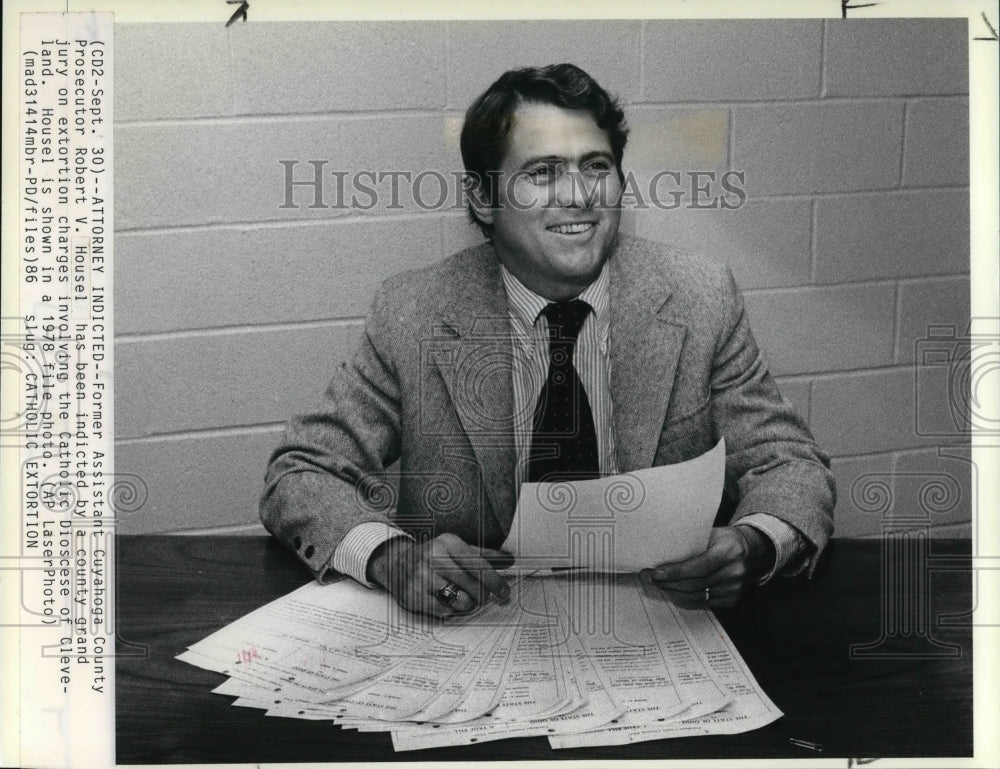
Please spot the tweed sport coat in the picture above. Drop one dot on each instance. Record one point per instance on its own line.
(430, 386)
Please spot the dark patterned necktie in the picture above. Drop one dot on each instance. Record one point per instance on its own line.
(563, 438)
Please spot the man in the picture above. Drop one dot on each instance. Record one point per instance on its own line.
(556, 350)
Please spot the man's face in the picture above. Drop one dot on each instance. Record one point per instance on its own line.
(557, 211)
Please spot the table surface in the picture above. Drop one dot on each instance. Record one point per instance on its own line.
(796, 635)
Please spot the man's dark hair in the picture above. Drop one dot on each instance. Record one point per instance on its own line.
(488, 121)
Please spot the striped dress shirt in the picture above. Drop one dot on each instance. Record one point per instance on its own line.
(531, 364)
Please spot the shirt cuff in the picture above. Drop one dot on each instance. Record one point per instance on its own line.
(787, 543)
(354, 551)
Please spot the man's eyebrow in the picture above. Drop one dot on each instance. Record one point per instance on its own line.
(597, 154)
(543, 159)
(562, 159)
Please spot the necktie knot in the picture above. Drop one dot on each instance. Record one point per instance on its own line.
(565, 319)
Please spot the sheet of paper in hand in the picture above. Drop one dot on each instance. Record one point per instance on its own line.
(621, 523)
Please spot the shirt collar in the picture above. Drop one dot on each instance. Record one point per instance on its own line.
(525, 305)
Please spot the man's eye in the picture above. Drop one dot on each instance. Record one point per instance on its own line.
(542, 173)
(598, 166)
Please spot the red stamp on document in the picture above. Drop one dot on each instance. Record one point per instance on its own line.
(247, 656)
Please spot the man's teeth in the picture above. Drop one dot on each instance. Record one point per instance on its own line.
(572, 229)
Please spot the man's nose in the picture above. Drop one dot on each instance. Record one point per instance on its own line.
(572, 190)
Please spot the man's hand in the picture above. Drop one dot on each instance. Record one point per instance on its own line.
(737, 556)
(414, 573)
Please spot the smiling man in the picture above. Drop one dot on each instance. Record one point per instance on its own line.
(556, 350)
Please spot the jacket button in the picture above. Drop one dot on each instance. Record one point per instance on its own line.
(309, 551)
(298, 542)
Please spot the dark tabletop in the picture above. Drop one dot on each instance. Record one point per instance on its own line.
(871, 658)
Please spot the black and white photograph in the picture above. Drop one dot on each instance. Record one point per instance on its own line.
(502, 389)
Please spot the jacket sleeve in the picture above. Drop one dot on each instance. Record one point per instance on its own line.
(773, 465)
(325, 476)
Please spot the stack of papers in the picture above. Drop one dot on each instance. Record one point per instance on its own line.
(583, 659)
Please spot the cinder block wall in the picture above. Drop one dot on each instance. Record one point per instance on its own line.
(231, 311)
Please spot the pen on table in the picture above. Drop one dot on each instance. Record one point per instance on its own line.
(806, 744)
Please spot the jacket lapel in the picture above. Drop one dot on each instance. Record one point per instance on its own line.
(645, 349)
(475, 365)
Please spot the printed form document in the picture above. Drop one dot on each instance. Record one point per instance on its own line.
(582, 654)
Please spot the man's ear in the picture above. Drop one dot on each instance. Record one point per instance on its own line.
(476, 192)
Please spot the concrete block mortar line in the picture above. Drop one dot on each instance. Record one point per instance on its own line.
(447, 64)
(250, 328)
(897, 324)
(641, 95)
(729, 139)
(882, 192)
(873, 283)
(902, 143)
(228, 431)
(918, 99)
(236, 528)
(424, 112)
(863, 456)
(822, 61)
(940, 451)
(798, 101)
(931, 278)
(231, 57)
(277, 117)
(815, 377)
(813, 267)
(344, 218)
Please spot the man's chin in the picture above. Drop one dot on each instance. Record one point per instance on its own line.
(582, 272)
(587, 261)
